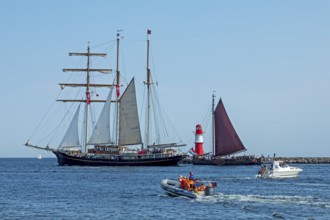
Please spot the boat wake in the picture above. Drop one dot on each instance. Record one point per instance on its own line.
(277, 199)
(237, 178)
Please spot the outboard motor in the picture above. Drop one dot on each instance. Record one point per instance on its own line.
(209, 191)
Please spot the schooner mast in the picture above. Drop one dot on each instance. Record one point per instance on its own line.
(148, 83)
(213, 125)
(88, 70)
(117, 92)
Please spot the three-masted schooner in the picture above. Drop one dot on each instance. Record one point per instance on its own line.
(99, 148)
(225, 142)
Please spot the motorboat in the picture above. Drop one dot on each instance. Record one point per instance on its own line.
(172, 188)
(278, 169)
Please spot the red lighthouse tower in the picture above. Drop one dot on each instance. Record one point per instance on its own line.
(199, 140)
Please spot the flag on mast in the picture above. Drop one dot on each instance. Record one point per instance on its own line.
(88, 96)
(117, 90)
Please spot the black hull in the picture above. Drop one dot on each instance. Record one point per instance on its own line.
(242, 160)
(64, 159)
(235, 161)
(216, 162)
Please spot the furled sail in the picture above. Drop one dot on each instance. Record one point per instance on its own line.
(226, 139)
(101, 132)
(129, 126)
(71, 137)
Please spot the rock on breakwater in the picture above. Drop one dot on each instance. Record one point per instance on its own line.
(305, 160)
(302, 160)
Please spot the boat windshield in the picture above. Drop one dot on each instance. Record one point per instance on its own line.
(282, 164)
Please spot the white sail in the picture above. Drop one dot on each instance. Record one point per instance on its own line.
(129, 126)
(71, 137)
(101, 132)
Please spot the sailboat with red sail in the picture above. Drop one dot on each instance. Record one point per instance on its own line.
(225, 142)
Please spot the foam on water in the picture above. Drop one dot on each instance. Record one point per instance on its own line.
(276, 199)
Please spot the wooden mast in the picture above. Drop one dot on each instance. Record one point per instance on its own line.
(213, 126)
(88, 98)
(117, 91)
(148, 90)
(88, 70)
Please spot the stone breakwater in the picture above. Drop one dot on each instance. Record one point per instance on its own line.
(289, 160)
(305, 160)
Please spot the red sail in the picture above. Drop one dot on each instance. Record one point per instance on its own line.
(226, 139)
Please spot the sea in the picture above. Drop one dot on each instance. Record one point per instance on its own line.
(40, 189)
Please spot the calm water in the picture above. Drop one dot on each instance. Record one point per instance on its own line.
(39, 189)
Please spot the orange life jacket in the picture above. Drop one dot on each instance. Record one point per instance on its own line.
(191, 183)
(182, 183)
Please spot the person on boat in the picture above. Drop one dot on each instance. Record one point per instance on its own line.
(181, 181)
(191, 176)
(262, 170)
(197, 183)
(191, 184)
(202, 187)
(187, 184)
(214, 184)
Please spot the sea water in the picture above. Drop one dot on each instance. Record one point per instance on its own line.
(40, 189)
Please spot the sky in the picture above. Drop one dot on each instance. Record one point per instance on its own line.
(269, 61)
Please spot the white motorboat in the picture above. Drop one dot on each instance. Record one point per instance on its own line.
(278, 169)
(172, 188)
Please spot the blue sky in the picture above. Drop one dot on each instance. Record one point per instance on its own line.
(267, 60)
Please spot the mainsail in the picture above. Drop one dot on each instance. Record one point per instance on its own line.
(226, 139)
(101, 132)
(71, 137)
(129, 126)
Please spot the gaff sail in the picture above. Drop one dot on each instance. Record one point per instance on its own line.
(129, 125)
(226, 139)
